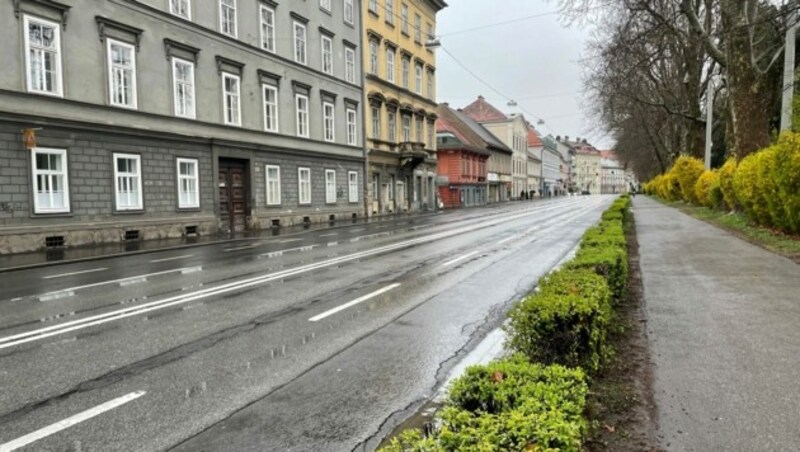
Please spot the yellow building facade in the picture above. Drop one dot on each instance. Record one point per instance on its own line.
(400, 104)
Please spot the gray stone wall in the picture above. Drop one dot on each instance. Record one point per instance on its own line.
(85, 79)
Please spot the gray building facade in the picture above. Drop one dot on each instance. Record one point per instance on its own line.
(139, 119)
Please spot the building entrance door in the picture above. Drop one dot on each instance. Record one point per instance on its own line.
(232, 182)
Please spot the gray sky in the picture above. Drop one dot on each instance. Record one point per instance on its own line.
(533, 61)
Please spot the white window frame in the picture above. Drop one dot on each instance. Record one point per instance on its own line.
(417, 28)
(430, 85)
(325, 4)
(273, 185)
(267, 28)
(173, 8)
(330, 186)
(270, 108)
(348, 12)
(373, 57)
(64, 174)
(418, 78)
(301, 116)
(406, 120)
(376, 122)
(390, 69)
(191, 112)
(349, 65)
(391, 125)
(232, 97)
(404, 18)
(300, 42)
(327, 54)
(132, 104)
(352, 185)
(233, 19)
(58, 84)
(303, 196)
(194, 201)
(390, 12)
(328, 122)
(352, 127)
(137, 204)
(373, 6)
(406, 71)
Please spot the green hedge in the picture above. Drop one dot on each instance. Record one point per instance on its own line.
(510, 404)
(531, 401)
(565, 322)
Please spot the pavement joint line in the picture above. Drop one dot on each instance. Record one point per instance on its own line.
(352, 303)
(66, 327)
(81, 272)
(461, 258)
(70, 421)
(44, 296)
(167, 259)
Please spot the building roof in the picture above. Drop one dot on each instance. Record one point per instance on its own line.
(488, 138)
(483, 111)
(534, 141)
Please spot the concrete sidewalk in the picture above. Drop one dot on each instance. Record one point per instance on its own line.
(724, 330)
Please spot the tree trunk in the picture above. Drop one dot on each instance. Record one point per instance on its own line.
(750, 92)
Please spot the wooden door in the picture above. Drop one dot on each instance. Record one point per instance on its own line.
(233, 195)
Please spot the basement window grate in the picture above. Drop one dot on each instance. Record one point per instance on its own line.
(306, 220)
(131, 235)
(332, 218)
(191, 230)
(276, 223)
(54, 241)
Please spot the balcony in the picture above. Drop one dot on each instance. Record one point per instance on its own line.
(412, 154)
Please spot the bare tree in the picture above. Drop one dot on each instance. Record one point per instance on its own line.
(662, 53)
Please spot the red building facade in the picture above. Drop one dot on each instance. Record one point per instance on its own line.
(461, 163)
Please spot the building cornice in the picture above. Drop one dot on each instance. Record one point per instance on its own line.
(240, 44)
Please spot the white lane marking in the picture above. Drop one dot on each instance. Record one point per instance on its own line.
(356, 230)
(301, 249)
(290, 240)
(167, 259)
(115, 281)
(507, 239)
(349, 304)
(21, 338)
(448, 263)
(69, 422)
(240, 248)
(330, 235)
(62, 275)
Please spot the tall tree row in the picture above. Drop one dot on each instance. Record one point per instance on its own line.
(650, 62)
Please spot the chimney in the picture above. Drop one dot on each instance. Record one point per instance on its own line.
(566, 137)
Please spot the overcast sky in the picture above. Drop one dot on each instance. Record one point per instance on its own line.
(534, 61)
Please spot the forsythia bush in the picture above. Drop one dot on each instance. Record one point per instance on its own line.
(726, 174)
(765, 185)
(707, 190)
(687, 170)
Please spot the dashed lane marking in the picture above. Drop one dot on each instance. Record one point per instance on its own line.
(69, 422)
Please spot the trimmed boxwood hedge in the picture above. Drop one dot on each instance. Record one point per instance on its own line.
(531, 401)
(565, 322)
(509, 404)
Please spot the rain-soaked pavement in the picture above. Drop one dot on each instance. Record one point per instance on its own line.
(316, 340)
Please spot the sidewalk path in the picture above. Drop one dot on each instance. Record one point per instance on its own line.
(724, 331)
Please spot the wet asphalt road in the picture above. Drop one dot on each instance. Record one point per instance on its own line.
(322, 340)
